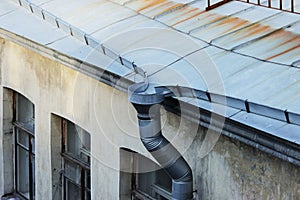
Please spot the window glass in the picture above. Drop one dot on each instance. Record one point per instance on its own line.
(88, 179)
(78, 142)
(22, 171)
(72, 172)
(73, 191)
(33, 180)
(76, 162)
(25, 111)
(23, 138)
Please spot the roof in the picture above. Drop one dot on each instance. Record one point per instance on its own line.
(239, 55)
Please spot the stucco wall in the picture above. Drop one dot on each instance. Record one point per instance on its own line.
(230, 171)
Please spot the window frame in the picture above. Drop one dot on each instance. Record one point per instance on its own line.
(17, 127)
(84, 167)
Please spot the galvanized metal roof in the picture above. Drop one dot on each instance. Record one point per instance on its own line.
(247, 54)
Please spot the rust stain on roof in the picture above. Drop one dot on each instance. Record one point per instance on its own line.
(294, 39)
(291, 43)
(201, 19)
(256, 29)
(231, 20)
(234, 23)
(238, 30)
(149, 3)
(172, 6)
(157, 7)
(283, 52)
(188, 18)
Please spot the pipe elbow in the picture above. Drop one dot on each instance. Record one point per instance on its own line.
(147, 105)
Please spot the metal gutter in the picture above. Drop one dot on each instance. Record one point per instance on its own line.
(251, 136)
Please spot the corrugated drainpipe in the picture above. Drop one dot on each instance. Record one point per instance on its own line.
(147, 101)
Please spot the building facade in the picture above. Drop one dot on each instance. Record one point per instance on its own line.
(69, 133)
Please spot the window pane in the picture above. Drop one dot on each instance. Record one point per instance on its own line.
(25, 111)
(78, 142)
(84, 139)
(33, 145)
(72, 191)
(72, 171)
(87, 195)
(88, 179)
(23, 138)
(33, 174)
(72, 140)
(23, 171)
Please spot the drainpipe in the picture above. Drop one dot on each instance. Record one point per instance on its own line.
(147, 100)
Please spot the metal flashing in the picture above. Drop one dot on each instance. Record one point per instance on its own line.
(259, 122)
(78, 34)
(289, 132)
(38, 11)
(110, 52)
(127, 63)
(228, 101)
(50, 18)
(221, 110)
(26, 5)
(64, 26)
(94, 43)
(267, 111)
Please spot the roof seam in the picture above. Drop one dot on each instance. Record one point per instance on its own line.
(177, 60)
(8, 12)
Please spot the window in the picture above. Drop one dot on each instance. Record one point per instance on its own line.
(24, 146)
(76, 176)
(142, 179)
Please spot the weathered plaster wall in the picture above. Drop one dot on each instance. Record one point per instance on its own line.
(54, 88)
(230, 171)
(233, 170)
